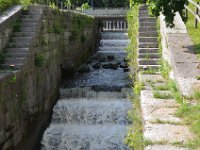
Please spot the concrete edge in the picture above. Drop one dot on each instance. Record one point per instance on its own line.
(10, 15)
(166, 51)
(167, 54)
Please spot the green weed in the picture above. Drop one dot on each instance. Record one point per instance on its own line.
(161, 88)
(160, 95)
(39, 60)
(158, 121)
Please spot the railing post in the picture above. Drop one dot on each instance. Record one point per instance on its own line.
(197, 13)
(186, 13)
(57, 4)
(61, 5)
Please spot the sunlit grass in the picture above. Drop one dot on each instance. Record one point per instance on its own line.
(192, 31)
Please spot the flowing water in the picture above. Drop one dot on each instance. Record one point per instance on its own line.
(92, 111)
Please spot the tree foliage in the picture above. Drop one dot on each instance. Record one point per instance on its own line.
(4, 4)
(115, 3)
(167, 7)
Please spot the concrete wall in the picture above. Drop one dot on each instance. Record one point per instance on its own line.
(27, 96)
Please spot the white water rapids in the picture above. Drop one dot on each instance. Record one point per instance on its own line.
(85, 119)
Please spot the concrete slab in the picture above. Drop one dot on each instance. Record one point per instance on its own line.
(147, 99)
(167, 133)
(160, 122)
(152, 115)
(164, 147)
(153, 78)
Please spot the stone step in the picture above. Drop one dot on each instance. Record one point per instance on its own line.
(31, 16)
(146, 67)
(29, 20)
(11, 66)
(147, 24)
(147, 29)
(28, 24)
(12, 50)
(16, 54)
(148, 45)
(148, 34)
(164, 147)
(35, 10)
(147, 19)
(28, 29)
(21, 39)
(10, 60)
(154, 78)
(23, 34)
(144, 15)
(149, 55)
(148, 50)
(153, 61)
(143, 7)
(143, 11)
(148, 39)
(19, 44)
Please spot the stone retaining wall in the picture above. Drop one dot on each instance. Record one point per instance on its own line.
(28, 95)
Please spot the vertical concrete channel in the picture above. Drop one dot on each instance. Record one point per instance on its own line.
(92, 111)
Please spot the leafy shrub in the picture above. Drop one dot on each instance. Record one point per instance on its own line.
(26, 2)
(5, 4)
(39, 60)
(68, 4)
(2, 57)
(85, 6)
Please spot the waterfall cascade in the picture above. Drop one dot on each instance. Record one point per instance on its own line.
(92, 112)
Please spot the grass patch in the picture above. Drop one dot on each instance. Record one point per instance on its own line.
(39, 60)
(165, 69)
(192, 31)
(158, 121)
(198, 77)
(134, 137)
(175, 91)
(196, 96)
(149, 142)
(160, 95)
(179, 144)
(161, 87)
(191, 116)
(149, 71)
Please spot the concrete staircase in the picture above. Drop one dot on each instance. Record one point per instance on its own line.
(161, 127)
(18, 48)
(148, 51)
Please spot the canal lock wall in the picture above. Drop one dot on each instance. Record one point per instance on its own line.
(60, 42)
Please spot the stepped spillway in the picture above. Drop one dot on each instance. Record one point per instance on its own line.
(92, 112)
